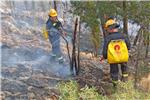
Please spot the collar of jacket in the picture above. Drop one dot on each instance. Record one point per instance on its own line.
(113, 33)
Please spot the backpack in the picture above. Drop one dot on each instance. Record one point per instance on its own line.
(117, 51)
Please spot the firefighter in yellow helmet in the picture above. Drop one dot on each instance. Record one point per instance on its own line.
(111, 25)
(113, 33)
(52, 13)
(55, 28)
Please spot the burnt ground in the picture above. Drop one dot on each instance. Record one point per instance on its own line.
(29, 73)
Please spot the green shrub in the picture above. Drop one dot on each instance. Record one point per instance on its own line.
(70, 91)
(87, 93)
(125, 91)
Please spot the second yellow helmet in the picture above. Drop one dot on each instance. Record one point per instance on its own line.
(109, 22)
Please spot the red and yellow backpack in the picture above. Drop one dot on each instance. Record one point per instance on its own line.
(117, 51)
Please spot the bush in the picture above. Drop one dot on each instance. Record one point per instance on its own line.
(70, 91)
(124, 91)
(87, 93)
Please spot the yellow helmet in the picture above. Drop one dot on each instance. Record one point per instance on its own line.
(52, 13)
(109, 23)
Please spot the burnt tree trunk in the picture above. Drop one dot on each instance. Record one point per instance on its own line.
(79, 47)
(55, 5)
(74, 58)
(125, 18)
(137, 36)
(147, 44)
(94, 43)
(136, 75)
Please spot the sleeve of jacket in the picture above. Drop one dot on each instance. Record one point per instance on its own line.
(48, 25)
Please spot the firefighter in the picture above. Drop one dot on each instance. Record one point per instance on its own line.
(113, 33)
(54, 27)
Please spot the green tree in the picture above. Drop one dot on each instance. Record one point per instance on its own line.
(91, 12)
(86, 11)
(139, 12)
